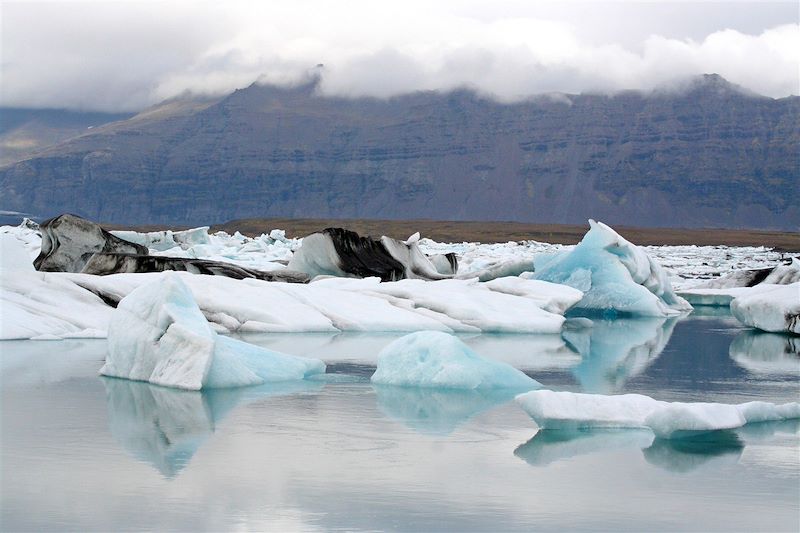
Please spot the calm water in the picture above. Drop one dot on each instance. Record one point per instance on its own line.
(80, 452)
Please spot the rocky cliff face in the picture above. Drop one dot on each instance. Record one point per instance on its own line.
(710, 155)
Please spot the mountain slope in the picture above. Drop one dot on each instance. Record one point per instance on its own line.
(711, 155)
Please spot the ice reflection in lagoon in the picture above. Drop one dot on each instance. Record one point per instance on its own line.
(82, 452)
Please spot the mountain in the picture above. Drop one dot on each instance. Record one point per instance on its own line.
(707, 155)
(24, 132)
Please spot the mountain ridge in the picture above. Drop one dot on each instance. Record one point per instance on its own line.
(708, 154)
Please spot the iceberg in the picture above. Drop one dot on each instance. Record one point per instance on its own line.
(439, 360)
(343, 253)
(551, 297)
(13, 255)
(571, 411)
(777, 275)
(166, 239)
(158, 334)
(616, 276)
(775, 310)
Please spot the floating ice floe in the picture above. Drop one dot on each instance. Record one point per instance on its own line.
(166, 239)
(776, 310)
(158, 334)
(615, 276)
(38, 305)
(567, 410)
(782, 274)
(344, 253)
(468, 305)
(438, 360)
(64, 304)
(742, 283)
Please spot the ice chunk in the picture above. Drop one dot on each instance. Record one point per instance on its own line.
(440, 360)
(339, 252)
(166, 239)
(615, 275)
(567, 410)
(551, 297)
(13, 255)
(158, 334)
(236, 363)
(777, 310)
(777, 275)
(37, 303)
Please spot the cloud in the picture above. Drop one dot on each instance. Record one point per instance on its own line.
(125, 56)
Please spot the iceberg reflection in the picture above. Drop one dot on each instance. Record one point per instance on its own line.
(760, 352)
(437, 411)
(687, 454)
(613, 351)
(165, 427)
(675, 455)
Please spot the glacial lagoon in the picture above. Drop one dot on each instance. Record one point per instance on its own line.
(83, 452)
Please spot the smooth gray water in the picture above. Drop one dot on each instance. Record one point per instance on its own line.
(80, 452)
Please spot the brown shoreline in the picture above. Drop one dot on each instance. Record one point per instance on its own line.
(489, 232)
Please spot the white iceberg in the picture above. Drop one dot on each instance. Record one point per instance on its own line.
(567, 410)
(158, 334)
(776, 310)
(778, 275)
(440, 360)
(552, 297)
(166, 239)
(615, 275)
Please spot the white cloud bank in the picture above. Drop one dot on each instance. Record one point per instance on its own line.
(125, 56)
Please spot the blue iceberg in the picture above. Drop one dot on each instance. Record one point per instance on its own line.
(440, 360)
(617, 277)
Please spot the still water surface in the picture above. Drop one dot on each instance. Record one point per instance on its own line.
(81, 452)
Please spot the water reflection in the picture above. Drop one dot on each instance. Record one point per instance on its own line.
(165, 427)
(688, 454)
(675, 455)
(436, 411)
(760, 352)
(613, 351)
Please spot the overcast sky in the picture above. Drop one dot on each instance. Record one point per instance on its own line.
(124, 56)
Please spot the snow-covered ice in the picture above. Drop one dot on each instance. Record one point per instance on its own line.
(38, 305)
(159, 335)
(615, 276)
(776, 310)
(568, 410)
(439, 360)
